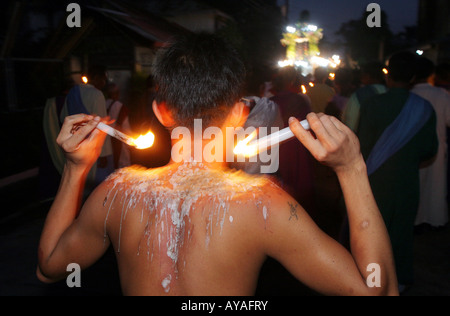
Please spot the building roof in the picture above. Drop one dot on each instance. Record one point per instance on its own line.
(145, 24)
(140, 26)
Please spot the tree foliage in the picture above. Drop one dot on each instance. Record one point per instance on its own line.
(364, 43)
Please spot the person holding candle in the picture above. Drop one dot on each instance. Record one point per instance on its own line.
(198, 228)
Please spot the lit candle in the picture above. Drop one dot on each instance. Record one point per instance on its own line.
(142, 142)
(304, 91)
(250, 148)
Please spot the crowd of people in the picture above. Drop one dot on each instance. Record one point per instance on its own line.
(400, 118)
(400, 113)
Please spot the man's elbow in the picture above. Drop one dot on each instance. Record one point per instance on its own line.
(46, 277)
(41, 277)
(390, 289)
(43, 272)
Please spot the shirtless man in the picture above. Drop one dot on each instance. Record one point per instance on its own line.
(197, 228)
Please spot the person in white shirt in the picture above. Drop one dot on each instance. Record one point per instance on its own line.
(89, 99)
(433, 207)
(118, 112)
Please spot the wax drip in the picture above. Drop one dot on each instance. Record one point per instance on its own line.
(168, 195)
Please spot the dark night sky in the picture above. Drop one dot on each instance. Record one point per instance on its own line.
(330, 14)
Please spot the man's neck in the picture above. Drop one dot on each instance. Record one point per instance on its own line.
(421, 82)
(399, 85)
(209, 153)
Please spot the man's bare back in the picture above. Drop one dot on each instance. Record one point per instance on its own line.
(185, 229)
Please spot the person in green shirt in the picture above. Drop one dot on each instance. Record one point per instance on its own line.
(320, 93)
(373, 80)
(396, 183)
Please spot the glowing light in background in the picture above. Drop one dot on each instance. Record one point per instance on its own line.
(302, 49)
(285, 63)
(311, 28)
(302, 63)
(319, 61)
(291, 29)
(85, 79)
(304, 91)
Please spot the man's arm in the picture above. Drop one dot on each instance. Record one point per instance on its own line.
(66, 237)
(312, 256)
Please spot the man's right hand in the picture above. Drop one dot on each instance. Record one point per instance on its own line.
(81, 141)
(335, 146)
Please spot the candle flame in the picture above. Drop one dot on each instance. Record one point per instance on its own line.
(304, 91)
(244, 149)
(145, 141)
(85, 79)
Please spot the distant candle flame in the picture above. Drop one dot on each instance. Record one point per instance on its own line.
(244, 149)
(85, 79)
(145, 141)
(304, 91)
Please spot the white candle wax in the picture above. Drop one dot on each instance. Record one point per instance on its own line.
(116, 134)
(276, 138)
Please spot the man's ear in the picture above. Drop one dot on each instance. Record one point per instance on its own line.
(163, 114)
(238, 114)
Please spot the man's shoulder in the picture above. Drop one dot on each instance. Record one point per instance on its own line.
(186, 177)
(442, 94)
(134, 174)
(322, 88)
(374, 104)
(91, 91)
(379, 98)
(436, 95)
(327, 89)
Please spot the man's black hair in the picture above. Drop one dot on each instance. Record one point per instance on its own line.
(402, 67)
(320, 74)
(424, 68)
(286, 76)
(375, 70)
(199, 76)
(443, 71)
(97, 71)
